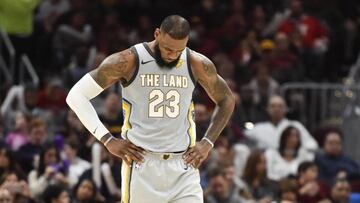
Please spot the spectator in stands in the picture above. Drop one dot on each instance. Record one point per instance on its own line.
(250, 111)
(224, 152)
(332, 161)
(143, 31)
(30, 100)
(50, 171)
(102, 173)
(113, 116)
(20, 135)
(219, 189)
(16, 18)
(26, 98)
(267, 52)
(314, 35)
(255, 178)
(77, 166)
(27, 152)
(8, 162)
(258, 18)
(267, 134)
(285, 160)
(309, 36)
(56, 194)
(246, 53)
(231, 178)
(52, 97)
(69, 36)
(49, 11)
(78, 66)
(5, 196)
(85, 192)
(263, 85)
(288, 190)
(310, 189)
(74, 128)
(225, 66)
(286, 64)
(113, 36)
(340, 191)
(17, 187)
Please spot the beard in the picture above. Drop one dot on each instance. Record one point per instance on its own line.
(160, 61)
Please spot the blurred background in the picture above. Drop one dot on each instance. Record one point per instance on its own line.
(293, 66)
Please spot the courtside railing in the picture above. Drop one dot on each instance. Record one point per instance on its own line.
(27, 67)
(319, 104)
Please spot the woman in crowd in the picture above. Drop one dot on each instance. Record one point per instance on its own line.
(85, 192)
(77, 166)
(255, 178)
(285, 161)
(19, 136)
(8, 162)
(50, 170)
(18, 188)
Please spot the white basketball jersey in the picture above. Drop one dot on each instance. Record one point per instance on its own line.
(157, 104)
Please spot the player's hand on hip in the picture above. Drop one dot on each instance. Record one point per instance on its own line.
(197, 154)
(125, 150)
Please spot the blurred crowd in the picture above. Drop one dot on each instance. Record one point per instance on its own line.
(46, 154)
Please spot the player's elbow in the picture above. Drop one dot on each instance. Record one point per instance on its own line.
(71, 97)
(231, 101)
(68, 99)
(228, 101)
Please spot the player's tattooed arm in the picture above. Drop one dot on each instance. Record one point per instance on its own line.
(118, 66)
(219, 92)
(205, 73)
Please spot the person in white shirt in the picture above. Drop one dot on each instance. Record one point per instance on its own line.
(267, 134)
(77, 166)
(50, 170)
(285, 160)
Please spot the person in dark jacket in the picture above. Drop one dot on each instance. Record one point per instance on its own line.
(332, 162)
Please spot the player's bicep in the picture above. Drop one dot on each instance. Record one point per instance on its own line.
(114, 68)
(214, 84)
(216, 88)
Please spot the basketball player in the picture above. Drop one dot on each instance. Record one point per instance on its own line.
(158, 145)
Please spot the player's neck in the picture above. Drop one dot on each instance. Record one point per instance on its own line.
(151, 45)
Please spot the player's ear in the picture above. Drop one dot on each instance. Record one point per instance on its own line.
(157, 33)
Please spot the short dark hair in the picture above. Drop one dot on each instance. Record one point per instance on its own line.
(288, 185)
(52, 192)
(304, 166)
(333, 131)
(73, 145)
(214, 172)
(175, 26)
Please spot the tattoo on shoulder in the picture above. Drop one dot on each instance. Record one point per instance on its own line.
(213, 83)
(113, 68)
(208, 65)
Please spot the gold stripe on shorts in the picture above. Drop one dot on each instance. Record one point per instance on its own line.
(125, 192)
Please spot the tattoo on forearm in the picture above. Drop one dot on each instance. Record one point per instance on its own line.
(218, 90)
(220, 118)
